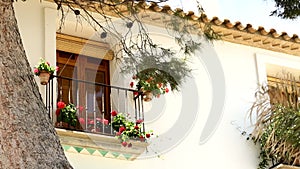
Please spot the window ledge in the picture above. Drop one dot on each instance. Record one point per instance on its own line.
(99, 145)
(281, 166)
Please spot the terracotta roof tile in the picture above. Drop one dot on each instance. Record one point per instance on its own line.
(232, 32)
(242, 34)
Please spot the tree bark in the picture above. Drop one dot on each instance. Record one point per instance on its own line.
(27, 136)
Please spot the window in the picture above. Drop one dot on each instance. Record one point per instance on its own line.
(77, 84)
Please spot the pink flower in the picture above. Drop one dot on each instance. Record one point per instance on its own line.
(57, 68)
(129, 145)
(81, 121)
(61, 105)
(124, 143)
(36, 71)
(114, 113)
(121, 129)
(105, 121)
(167, 90)
(131, 84)
(80, 108)
(118, 133)
(139, 121)
(91, 122)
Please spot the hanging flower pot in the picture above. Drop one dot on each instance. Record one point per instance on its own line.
(44, 77)
(44, 71)
(148, 95)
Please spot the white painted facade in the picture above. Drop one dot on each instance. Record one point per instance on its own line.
(243, 68)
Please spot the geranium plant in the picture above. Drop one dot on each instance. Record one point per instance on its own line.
(67, 113)
(44, 66)
(153, 80)
(127, 130)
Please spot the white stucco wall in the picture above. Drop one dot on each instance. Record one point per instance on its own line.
(226, 148)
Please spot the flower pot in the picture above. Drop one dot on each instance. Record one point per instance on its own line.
(148, 95)
(44, 77)
(62, 125)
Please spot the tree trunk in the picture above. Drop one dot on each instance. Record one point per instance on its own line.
(27, 136)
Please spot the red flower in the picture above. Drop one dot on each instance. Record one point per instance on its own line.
(114, 113)
(139, 121)
(136, 127)
(149, 80)
(135, 93)
(131, 84)
(167, 90)
(129, 145)
(61, 105)
(121, 129)
(57, 112)
(81, 121)
(159, 85)
(142, 138)
(148, 135)
(48, 63)
(124, 143)
(57, 68)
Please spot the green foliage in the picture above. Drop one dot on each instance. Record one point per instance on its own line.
(68, 115)
(44, 66)
(163, 67)
(127, 130)
(287, 9)
(155, 81)
(277, 126)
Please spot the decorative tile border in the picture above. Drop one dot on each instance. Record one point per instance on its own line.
(98, 152)
(99, 145)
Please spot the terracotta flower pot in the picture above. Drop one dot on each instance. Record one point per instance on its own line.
(62, 125)
(44, 77)
(148, 95)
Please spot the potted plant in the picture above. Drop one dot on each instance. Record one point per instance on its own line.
(96, 125)
(127, 130)
(66, 115)
(156, 72)
(43, 70)
(276, 113)
(153, 82)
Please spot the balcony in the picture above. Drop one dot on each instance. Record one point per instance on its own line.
(92, 133)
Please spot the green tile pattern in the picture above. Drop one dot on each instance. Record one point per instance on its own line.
(127, 156)
(66, 147)
(115, 154)
(78, 149)
(97, 152)
(90, 150)
(103, 152)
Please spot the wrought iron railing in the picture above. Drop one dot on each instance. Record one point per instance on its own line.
(93, 101)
